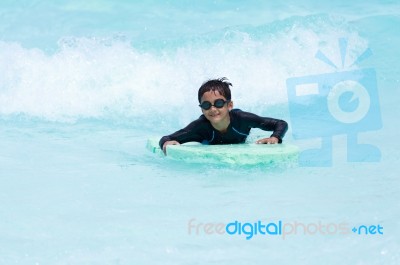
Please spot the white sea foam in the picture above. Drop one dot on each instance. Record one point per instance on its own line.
(102, 78)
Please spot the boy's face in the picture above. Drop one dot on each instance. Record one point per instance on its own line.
(216, 115)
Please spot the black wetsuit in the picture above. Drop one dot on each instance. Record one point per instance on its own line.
(239, 128)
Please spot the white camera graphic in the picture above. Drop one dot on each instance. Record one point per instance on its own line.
(325, 105)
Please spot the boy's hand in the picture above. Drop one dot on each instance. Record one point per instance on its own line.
(269, 140)
(164, 148)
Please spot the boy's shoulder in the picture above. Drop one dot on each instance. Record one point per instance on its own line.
(238, 114)
(236, 110)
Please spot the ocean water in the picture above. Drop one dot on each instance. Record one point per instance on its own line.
(83, 84)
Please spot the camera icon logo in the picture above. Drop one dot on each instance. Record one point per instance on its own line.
(343, 102)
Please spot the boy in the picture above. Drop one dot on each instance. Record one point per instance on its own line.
(220, 123)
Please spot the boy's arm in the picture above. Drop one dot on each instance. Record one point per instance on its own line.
(278, 127)
(164, 147)
(188, 134)
(268, 140)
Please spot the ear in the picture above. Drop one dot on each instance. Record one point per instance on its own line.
(230, 105)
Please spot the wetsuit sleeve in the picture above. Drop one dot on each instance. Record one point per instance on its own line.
(279, 127)
(190, 133)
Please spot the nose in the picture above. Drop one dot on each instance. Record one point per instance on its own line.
(213, 109)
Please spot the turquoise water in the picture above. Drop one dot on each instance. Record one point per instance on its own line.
(84, 84)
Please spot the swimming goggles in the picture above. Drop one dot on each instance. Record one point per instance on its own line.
(219, 103)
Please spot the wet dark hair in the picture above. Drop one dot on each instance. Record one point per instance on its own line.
(221, 85)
